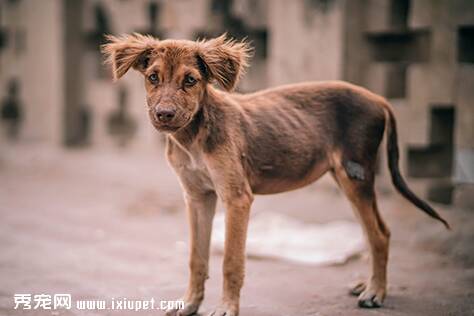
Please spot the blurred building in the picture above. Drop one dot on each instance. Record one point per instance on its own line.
(417, 53)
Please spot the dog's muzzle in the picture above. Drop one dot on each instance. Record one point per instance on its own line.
(165, 115)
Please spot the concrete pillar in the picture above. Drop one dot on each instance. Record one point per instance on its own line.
(299, 47)
(74, 111)
(35, 59)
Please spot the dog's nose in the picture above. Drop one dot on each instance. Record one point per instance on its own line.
(165, 115)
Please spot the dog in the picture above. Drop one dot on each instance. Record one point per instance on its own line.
(231, 146)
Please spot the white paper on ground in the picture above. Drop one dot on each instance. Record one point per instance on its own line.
(279, 236)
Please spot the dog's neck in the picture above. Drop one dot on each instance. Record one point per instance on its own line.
(206, 122)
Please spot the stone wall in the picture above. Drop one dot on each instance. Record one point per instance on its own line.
(419, 55)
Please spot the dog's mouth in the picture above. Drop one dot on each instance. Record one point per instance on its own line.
(169, 127)
(165, 127)
(180, 121)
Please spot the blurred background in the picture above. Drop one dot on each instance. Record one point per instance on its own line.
(419, 54)
(81, 165)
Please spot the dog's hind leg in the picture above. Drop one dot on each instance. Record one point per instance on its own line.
(360, 191)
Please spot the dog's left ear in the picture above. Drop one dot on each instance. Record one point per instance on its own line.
(225, 59)
(128, 51)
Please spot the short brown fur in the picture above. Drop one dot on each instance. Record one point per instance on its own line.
(232, 146)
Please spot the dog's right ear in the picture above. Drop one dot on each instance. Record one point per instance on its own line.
(225, 59)
(127, 51)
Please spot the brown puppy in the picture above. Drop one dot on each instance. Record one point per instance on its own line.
(233, 146)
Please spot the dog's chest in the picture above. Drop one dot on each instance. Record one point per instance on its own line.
(190, 167)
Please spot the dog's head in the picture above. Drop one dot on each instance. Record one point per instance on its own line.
(177, 72)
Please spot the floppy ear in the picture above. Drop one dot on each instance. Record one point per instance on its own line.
(128, 51)
(225, 59)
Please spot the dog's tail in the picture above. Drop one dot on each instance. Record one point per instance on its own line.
(397, 179)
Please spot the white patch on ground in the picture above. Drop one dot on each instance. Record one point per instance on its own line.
(278, 236)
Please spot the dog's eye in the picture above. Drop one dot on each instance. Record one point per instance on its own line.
(153, 78)
(189, 81)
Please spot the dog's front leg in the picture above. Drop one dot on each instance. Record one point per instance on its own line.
(237, 216)
(201, 210)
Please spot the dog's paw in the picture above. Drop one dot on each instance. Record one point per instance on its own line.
(189, 309)
(357, 288)
(225, 310)
(371, 297)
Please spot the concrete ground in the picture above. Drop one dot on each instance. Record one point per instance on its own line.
(102, 225)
